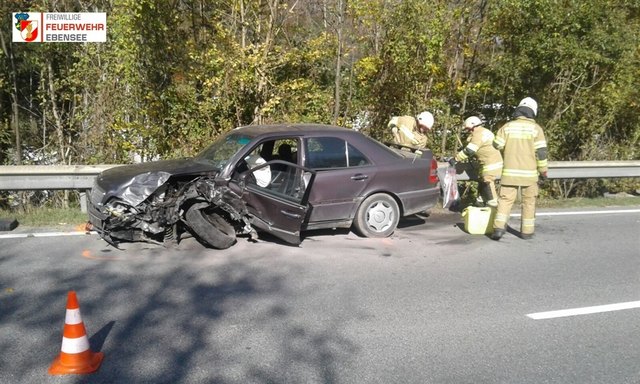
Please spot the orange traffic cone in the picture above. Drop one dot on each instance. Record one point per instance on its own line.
(75, 355)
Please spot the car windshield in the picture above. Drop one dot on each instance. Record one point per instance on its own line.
(224, 148)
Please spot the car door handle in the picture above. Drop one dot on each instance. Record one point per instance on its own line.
(291, 215)
(359, 176)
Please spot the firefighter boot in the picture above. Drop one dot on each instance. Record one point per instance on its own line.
(497, 234)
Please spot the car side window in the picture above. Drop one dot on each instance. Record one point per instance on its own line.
(325, 152)
(331, 152)
(278, 179)
(286, 150)
(289, 182)
(251, 161)
(261, 175)
(355, 157)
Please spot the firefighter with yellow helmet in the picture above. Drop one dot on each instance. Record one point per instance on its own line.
(411, 132)
(480, 147)
(524, 152)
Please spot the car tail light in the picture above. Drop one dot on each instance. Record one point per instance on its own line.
(433, 172)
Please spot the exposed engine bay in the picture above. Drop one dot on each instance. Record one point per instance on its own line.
(199, 207)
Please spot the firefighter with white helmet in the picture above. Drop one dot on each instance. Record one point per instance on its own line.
(531, 104)
(409, 131)
(524, 151)
(425, 120)
(480, 147)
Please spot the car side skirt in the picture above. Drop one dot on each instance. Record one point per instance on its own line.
(418, 201)
(328, 224)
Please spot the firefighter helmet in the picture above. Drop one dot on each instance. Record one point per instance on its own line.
(426, 119)
(529, 102)
(472, 122)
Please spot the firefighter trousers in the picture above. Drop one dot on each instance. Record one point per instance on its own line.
(487, 187)
(508, 195)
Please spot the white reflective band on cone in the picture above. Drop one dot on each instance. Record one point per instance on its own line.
(73, 316)
(77, 345)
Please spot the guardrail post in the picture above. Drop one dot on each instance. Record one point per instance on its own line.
(83, 200)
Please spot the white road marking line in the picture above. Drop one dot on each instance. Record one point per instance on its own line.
(44, 234)
(584, 310)
(581, 212)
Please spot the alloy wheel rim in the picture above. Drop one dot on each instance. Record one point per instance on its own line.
(380, 216)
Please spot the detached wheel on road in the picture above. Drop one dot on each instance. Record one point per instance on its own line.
(211, 227)
(377, 216)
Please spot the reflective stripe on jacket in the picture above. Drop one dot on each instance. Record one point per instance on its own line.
(405, 132)
(520, 140)
(481, 146)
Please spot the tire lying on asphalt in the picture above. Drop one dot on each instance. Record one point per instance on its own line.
(210, 227)
(377, 216)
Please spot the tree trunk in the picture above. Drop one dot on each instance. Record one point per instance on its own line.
(338, 78)
(261, 72)
(56, 114)
(15, 116)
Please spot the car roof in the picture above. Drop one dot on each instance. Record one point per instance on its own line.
(377, 151)
(307, 128)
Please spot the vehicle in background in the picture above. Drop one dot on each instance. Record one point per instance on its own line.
(281, 179)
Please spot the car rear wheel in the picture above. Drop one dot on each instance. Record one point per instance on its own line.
(211, 227)
(377, 216)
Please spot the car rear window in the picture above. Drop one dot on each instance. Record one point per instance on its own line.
(332, 152)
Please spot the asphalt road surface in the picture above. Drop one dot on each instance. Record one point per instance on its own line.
(431, 304)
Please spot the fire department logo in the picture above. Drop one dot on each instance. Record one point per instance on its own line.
(28, 28)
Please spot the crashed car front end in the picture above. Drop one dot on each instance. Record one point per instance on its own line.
(159, 200)
(124, 219)
(153, 209)
(142, 209)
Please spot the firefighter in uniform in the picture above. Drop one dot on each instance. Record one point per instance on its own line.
(480, 146)
(409, 131)
(524, 151)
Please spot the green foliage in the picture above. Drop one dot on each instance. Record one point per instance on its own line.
(576, 58)
(175, 75)
(73, 218)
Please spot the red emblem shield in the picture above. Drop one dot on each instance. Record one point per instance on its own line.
(29, 30)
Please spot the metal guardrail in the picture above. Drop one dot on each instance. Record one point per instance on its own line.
(593, 169)
(44, 177)
(562, 170)
(81, 177)
(41, 177)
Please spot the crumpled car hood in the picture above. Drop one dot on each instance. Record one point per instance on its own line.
(134, 183)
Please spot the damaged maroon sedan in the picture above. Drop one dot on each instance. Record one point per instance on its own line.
(280, 179)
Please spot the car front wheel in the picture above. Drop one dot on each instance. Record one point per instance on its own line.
(377, 216)
(210, 227)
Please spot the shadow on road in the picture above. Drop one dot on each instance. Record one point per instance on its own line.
(202, 318)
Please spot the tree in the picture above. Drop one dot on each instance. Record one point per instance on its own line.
(172, 76)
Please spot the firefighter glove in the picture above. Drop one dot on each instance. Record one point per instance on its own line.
(542, 178)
